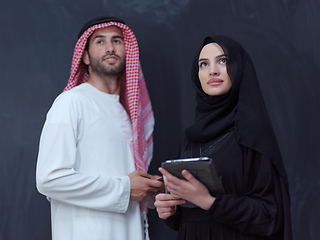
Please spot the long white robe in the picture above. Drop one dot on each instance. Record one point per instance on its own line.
(85, 155)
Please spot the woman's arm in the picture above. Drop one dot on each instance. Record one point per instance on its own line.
(190, 189)
(258, 211)
(260, 208)
(166, 204)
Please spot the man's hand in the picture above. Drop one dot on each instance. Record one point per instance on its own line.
(142, 185)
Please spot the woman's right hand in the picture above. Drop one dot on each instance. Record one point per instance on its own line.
(166, 204)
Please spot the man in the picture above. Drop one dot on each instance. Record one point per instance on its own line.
(96, 143)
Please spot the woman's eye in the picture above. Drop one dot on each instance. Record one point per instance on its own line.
(100, 42)
(223, 61)
(203, 64)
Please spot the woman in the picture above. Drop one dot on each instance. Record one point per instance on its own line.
(233, 128)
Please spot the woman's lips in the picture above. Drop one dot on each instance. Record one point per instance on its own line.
(215, 82)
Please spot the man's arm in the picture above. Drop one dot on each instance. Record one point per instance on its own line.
(142, 185)
(56, 175)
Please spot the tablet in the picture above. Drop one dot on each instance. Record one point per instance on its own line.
(201, 168)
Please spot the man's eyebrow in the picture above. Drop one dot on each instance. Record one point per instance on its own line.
(118, 36)
(99, 36)
(102, 36)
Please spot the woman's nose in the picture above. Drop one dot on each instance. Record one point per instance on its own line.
(214, 70)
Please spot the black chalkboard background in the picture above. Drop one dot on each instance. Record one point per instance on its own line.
(36, 46)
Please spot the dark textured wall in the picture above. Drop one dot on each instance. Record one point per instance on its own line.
(36, 45)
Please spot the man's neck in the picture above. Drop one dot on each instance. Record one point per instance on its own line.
(110, 85)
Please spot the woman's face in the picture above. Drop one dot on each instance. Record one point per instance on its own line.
(213, 74)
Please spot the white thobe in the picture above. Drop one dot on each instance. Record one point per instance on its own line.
(85, 155)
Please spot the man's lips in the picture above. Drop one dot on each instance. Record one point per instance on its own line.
(215, 82)
(110, 58)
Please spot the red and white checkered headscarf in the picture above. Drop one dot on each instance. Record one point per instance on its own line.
(133, 96)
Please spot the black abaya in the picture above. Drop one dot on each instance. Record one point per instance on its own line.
(254, 206)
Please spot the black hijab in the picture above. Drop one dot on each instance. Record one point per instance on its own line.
(242, 108)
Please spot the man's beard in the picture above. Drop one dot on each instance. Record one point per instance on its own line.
(111, 71)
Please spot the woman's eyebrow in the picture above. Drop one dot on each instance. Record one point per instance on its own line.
(219, 56)
(202, 59)
(222, 55)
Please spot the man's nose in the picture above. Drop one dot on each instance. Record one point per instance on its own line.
(109, 47)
